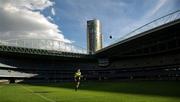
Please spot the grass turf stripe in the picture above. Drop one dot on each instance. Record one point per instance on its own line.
(37, 94)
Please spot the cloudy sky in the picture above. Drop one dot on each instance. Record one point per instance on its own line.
(65, 20)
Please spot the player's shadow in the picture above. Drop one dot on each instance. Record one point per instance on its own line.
(168, 88)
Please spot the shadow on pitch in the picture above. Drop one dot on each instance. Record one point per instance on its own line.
(157, 88)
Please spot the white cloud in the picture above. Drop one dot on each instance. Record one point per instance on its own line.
(22, 19)
(50, 18)
(156, 8)
(53, 11)
(32, 4)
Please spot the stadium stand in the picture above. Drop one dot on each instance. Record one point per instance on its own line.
(150, 55)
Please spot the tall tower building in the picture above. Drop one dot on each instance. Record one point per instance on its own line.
(94, 36)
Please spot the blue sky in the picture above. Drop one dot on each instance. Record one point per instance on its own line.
(118, 17)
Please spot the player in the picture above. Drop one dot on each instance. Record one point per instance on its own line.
(77, 78)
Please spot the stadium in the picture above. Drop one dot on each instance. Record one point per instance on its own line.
(142, 66)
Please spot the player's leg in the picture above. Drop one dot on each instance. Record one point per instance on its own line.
(78, 84)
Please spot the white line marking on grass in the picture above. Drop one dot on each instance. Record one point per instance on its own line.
(43, 97)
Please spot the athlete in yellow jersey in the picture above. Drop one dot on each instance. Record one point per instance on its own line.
(77, 78)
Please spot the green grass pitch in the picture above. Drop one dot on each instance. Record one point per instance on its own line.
(147, 91)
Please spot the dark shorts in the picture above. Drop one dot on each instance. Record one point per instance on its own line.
(77, 79)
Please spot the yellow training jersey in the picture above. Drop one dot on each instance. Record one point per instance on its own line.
(77, 74)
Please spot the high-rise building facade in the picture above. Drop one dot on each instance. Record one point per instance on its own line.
(94, 36)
